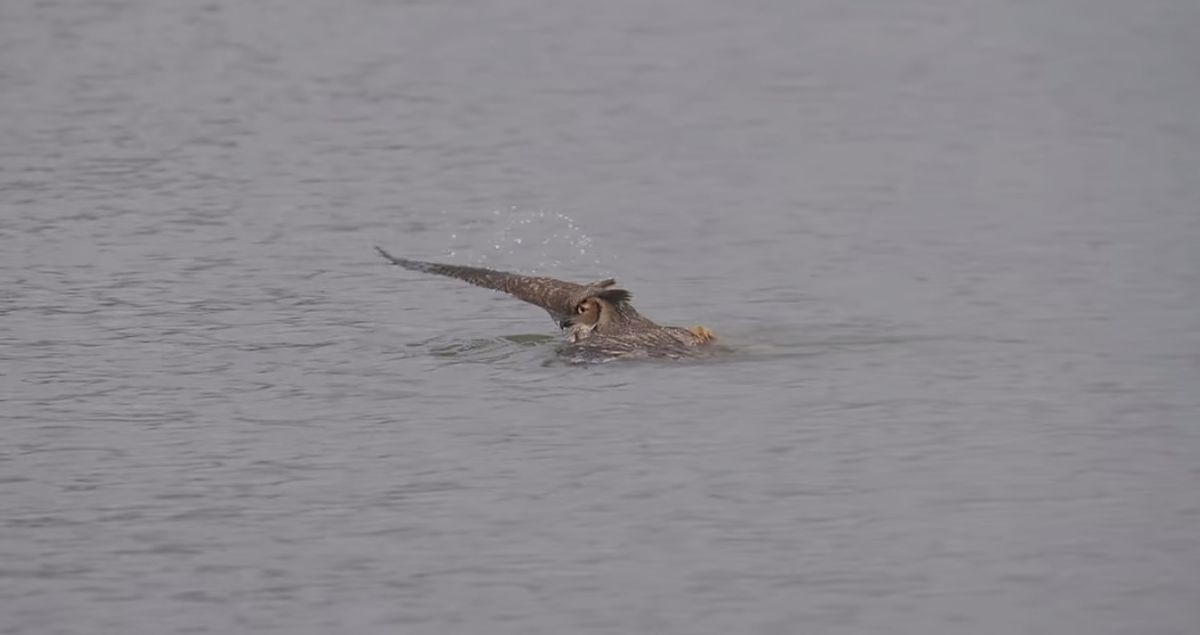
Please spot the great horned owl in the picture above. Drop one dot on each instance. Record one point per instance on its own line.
(597, 316)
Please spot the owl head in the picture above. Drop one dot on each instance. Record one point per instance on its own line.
(599, 307)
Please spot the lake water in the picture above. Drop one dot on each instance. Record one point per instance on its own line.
(954, 249)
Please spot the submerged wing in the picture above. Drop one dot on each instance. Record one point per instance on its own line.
(556, 296)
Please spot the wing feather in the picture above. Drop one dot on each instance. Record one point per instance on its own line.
(556, 296)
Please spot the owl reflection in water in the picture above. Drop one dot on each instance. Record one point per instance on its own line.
(599, 320)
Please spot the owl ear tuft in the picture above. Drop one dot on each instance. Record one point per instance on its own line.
(616, 296)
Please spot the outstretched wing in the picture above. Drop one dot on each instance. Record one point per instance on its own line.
(556, 296)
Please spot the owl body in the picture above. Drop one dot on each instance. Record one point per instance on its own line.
(599, 320)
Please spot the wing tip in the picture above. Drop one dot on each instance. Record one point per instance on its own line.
(414, 265)
(389, 257)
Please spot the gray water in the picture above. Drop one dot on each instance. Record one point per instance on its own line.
(952, 248)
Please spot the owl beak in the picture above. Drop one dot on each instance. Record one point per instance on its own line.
(566, 322)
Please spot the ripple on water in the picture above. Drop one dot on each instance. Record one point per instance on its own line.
(483, 350)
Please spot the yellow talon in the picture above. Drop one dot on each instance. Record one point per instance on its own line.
(703, 333)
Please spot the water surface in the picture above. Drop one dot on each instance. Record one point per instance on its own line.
(953, 249)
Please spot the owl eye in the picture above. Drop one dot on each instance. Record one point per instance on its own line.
(580, 309)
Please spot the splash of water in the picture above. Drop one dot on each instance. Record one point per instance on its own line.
(529, 241)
